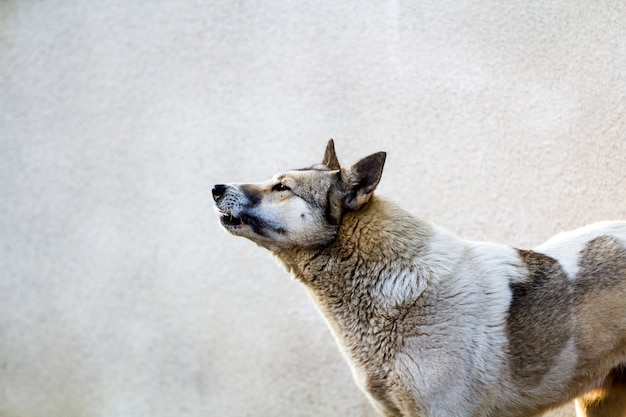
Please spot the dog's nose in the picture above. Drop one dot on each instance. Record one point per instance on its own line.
(218, 191)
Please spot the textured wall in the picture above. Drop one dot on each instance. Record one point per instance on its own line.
(119, 293)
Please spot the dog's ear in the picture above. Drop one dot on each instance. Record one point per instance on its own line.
(360, 180)
(330, 157)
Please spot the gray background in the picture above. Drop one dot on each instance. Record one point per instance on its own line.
(119, 293)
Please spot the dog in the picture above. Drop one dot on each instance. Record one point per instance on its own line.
(436, 326)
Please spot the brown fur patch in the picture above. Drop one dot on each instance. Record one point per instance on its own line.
(601, 318)
(600, 287)
(540, 318)
(602, 264)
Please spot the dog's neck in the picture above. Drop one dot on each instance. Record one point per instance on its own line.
(380, 234)
(375, 269)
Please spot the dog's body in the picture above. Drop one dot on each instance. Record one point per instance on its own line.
(433, 325)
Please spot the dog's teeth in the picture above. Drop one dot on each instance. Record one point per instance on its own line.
(231, 219)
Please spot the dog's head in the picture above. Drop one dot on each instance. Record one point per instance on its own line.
(298, 208)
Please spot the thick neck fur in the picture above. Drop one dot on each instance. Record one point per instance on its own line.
(369, 278)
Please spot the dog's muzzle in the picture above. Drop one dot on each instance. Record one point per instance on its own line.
(226, 217)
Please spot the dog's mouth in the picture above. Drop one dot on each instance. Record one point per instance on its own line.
(228, 220)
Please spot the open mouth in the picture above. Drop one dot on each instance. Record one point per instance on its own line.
(228, 219)
(245, 223)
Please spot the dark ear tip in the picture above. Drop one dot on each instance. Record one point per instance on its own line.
(330, 157)
(380, 156)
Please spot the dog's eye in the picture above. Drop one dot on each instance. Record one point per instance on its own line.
(280, 187)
